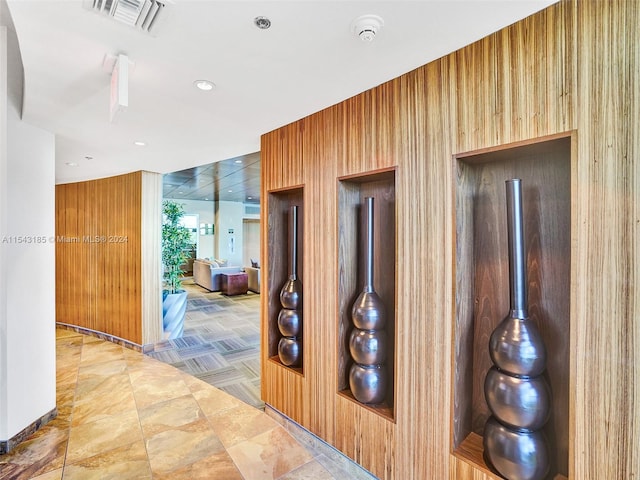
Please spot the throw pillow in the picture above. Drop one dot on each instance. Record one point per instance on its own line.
(254, 263)
(221, 262)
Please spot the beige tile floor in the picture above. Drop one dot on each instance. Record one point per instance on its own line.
(122, 415)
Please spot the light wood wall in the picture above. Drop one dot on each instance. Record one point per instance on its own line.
(103, 229)
(573, 68)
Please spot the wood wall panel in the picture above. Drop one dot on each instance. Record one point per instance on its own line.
(99, 256)
(607, 227)
(321, 153)
(572, 67)
(368, 132)
(281, 387)
(283, 158)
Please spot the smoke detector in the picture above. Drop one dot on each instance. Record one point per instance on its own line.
(366, 27)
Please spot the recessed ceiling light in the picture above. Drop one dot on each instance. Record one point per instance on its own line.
(238, 161)
(249, 198)
(206, 198)
(140, 143)
(180, 193)
(88, 157)
(262, 22)
(204, 85)
(72, 164)
(230, 191)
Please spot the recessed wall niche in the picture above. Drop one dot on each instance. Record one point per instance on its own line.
(352, 192)
(482, 280)
(279, 243)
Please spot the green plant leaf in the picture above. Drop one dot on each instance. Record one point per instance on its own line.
(176, 239)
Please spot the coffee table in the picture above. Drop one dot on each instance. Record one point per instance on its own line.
(234, 283)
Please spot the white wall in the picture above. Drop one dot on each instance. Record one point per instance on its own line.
(251, 247)
(4, 411)
(225, 216)
(205, 210)
(27, 258)
(228, 246)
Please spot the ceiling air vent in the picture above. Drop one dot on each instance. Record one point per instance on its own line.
(252, 209)
(140, 14)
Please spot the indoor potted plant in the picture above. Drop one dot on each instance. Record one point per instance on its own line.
(175, 242)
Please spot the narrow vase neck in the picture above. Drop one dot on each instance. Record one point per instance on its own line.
(368, 280)
(294, 242)
(517, 258)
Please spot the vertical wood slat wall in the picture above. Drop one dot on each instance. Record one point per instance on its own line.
(103, 229)
(574, 66)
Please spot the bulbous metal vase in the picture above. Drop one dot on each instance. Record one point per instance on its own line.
(517, 402)
(368, 347)
(290, 351)
(515, 390)
(368, 340)
(516, 346)
(368, 383)
(368, 312)
(290, 316)
(291, 293)
(289, 322)
(516, 455)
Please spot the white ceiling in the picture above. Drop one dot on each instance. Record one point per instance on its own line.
(308, 60)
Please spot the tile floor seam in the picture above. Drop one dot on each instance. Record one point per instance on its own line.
(135, 400)
(142, 434)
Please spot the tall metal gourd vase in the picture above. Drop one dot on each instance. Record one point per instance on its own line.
(515, 390)
(290, 316)
(368, 340)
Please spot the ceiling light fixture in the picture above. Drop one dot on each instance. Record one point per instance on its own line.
(204, 85)
(72, 164)
(366, 27)
(140, 143)
(88, 157)
(238, 161)
(230, 191)
(262, 22)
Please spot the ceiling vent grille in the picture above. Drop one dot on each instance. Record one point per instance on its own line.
(252, 209)
(140, 14)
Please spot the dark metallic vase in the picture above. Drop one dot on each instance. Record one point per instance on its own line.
(368, 340)
(290, 316)
(368, 347)
(368, 383)
(289, 322)
(515, 390)
(290, 351)
(516, 455)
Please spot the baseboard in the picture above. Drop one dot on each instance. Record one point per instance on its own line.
(106, 336)
(336, 461)
(7, 445)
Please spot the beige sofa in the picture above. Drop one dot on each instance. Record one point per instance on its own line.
(253, 278)
(207, 274)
